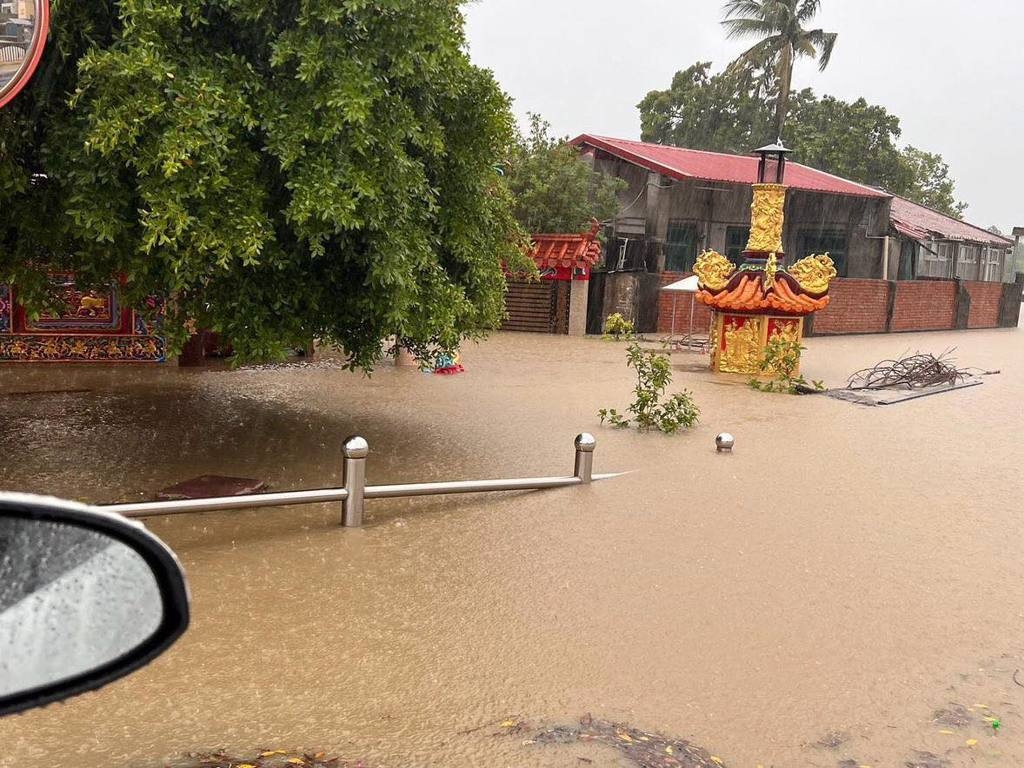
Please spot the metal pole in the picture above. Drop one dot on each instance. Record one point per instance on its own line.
(584, 469)
(690, 332)
(354, 449)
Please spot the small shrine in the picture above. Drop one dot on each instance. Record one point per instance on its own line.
(760, 301)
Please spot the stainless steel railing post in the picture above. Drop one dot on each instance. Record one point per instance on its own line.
(584, 469)
(354, 449)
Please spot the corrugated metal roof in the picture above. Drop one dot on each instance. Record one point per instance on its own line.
(922, 223)
(679, 163)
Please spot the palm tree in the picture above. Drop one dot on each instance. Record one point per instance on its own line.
(783, 39)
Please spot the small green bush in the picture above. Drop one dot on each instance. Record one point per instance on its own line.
(780, 361)
(654, 374)
(617, 327)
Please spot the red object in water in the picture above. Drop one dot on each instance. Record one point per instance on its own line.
(450, 371)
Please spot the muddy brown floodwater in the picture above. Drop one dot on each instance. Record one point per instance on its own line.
(828, 595)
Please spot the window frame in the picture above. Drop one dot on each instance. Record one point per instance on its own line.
(671, 257)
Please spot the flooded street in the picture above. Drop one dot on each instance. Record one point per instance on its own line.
(811, 600)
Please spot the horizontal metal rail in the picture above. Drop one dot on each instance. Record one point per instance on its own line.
(474, 486)
(216, 503)
(355, 490)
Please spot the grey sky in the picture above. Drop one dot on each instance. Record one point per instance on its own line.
(950, 69)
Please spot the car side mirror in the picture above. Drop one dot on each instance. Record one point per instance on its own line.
(86, 597)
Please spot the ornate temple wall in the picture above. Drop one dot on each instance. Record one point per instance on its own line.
(92, 326)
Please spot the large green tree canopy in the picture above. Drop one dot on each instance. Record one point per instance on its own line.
(553, 191)
(281, 169)
(733, 112)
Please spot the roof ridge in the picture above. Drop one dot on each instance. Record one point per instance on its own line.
(676, 146)
(868, 187)
(936, 211)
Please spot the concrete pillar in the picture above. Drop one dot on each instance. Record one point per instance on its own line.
(578, 297)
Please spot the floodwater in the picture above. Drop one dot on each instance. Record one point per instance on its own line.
(811, 600)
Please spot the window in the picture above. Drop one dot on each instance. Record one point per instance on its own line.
(908, 260)
(967, 262)
(680, 247)
(832, 243)
(736, 239)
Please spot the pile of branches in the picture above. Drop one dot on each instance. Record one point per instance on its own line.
(910, 372)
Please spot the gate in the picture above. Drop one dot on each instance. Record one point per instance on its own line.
(537, 307)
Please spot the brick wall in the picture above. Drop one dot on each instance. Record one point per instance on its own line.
(924, 305)
(985, 301)
(863, 306)
(701, 314)
(855, 306)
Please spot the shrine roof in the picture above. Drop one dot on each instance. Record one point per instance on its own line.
(580, 251)
(746, 293)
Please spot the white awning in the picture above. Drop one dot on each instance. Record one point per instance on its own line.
(686, 285)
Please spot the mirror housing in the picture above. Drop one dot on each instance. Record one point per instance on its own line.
(111, 541)
(22, 40)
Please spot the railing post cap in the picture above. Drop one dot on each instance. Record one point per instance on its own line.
(586, 442)
(355, 447)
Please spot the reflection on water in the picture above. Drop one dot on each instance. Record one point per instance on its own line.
(846, 570)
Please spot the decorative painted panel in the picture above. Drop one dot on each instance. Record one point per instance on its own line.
(88, 326)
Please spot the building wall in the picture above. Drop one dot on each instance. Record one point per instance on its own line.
(856, 306)
(650, 202)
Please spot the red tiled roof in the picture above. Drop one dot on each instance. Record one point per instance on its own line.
(922, 223)
(679, 163)
(579, 251)
(746, 292)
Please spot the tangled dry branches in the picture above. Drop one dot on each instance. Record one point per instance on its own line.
(910, 372)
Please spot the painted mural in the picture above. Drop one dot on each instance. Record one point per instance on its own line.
(89, 326)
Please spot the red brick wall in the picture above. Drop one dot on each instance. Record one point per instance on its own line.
(924, 305)
(985, 299)
(855, 306)
(701, 314)
(861, 306)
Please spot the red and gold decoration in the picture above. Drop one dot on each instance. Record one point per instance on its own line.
(566, 257)
(760, 301)
(89, 326)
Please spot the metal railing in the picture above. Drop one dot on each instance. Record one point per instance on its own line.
(354, 491)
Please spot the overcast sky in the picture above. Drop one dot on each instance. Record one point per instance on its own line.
(952, 70)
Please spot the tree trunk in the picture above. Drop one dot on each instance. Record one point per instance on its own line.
(785, 82)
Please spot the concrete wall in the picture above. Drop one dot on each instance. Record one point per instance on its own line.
(578, 308)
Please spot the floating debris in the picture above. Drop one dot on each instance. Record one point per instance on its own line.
(915, 371)
(646, 750)
(268, 758)
(907, 378)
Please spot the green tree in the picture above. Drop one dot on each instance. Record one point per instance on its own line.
(930, 183)
(553, 191)
(782, 39)
(729, 112)
(282, 169)
(855, 140)
(722, 112)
